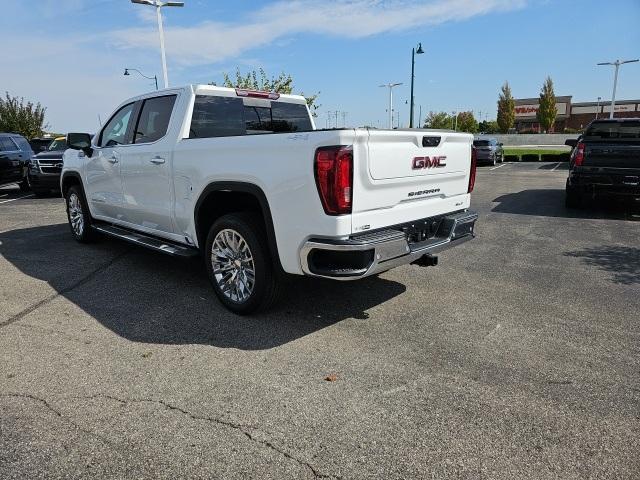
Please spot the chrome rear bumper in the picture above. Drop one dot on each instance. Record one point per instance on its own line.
(363, 255)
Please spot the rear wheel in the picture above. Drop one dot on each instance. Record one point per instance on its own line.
(80, 221)
(24, 186)
(239, 264)
(572, 199)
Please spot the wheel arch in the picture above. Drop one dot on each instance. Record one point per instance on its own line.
(241, 196)
(68, 179)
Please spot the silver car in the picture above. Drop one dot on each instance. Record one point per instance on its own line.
(488, 150)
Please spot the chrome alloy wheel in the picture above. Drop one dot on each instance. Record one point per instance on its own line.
(76, 217)
(233, 266)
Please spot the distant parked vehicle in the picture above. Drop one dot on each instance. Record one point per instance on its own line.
(488, 150)
(15, 153)
(45, 168)
(40, 144)
(605, 163)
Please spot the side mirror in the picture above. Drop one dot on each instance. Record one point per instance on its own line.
(571, 142)
(80, 141)
(500, 144)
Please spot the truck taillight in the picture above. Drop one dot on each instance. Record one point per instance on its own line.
(241, 92)
(472, 171)
(333, 168)
(579, 156)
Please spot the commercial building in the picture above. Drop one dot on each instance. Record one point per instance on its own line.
(572, 116)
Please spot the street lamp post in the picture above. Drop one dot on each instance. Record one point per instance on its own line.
(598, 107)
(158, 5)
(419, 51)
(126, 73)
(617, 64)
(390, 87)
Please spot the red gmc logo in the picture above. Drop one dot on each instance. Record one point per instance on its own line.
(428, 162)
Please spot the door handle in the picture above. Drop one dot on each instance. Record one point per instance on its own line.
(113, 159)
(157, 160)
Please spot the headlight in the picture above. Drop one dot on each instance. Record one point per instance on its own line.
(33, 164)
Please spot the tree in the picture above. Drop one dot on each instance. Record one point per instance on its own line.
(16, 116)
(439, 120)
(258, 80)
(488, 126)
(506, 109)
(467, 122)
(547, 111)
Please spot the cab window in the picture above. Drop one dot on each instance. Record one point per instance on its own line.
(115, 131)
(154, 119)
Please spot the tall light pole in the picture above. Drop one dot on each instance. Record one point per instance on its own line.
(390, 87)
(617, 64)
(419, 51)
(158, 5)
(598, 107)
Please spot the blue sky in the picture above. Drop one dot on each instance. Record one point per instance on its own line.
(70, 54)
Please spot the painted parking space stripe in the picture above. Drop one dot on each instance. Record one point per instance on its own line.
(499, 166)
(17, 198)
(554, 168)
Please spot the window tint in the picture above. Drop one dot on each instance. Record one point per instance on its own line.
(7, 145)
(23, 144)
(614, 130)
(154, 119)
(115, 132)
(216, 117)
(228, 116)
(290, 117)
(481, 143)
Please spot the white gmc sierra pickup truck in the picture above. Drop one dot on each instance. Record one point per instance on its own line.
(244, 178)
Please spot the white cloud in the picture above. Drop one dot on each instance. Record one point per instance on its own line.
(210, 42)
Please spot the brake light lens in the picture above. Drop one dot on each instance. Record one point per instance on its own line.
(472, 172)
(333, 168)
(579, 154)
(257, 94)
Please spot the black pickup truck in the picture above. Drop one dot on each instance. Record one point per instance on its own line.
(605, 163)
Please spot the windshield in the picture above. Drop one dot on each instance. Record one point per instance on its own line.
(58, 145)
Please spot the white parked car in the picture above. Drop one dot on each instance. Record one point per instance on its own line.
(245, 179)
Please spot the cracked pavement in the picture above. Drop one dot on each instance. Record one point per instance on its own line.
(517, 357)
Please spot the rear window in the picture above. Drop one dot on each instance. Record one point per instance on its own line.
(613, 130)
(481, 143)
(228, 116)
(23, 144)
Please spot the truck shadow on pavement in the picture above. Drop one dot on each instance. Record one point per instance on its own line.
(148, 297)
(622, 262)
(550, 203)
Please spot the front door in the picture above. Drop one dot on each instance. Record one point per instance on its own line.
(103, 175)
(146, 167)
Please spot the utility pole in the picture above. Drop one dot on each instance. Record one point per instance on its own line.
(158, 5)
(390, 86)
(344, 119)
(616, 64)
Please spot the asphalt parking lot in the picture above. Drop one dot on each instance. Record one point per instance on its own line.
(517, 357)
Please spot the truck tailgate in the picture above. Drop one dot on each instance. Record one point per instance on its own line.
(406, 175)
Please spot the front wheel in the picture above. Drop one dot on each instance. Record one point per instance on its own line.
(239, 264)
(78, 215)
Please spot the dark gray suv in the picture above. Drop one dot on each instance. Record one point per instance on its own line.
(488, 150)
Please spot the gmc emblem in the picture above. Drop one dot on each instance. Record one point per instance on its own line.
(428, 162)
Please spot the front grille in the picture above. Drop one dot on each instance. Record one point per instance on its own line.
(53, 166)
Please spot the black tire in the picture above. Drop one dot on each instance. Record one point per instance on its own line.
(494, 161)
(267, 278)
(24, 186)
(572, 199)
(86, 234)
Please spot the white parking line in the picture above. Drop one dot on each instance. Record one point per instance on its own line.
(17, 198)
(553, 169)
(501, 165)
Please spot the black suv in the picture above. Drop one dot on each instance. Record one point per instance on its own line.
(45, 168)
(605, 163)
(15, 154)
